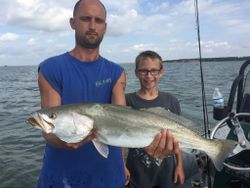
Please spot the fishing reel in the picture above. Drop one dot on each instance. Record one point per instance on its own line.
(236, 127)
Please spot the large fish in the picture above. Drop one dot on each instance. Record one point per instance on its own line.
(124, 127)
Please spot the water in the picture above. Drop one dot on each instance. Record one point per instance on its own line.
(21, 147)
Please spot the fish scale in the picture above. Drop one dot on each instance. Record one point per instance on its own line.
(125, 127)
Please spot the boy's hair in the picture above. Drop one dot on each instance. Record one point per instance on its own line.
(147, 54)
(78, 3)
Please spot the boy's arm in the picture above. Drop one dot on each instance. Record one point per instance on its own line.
(179, 171)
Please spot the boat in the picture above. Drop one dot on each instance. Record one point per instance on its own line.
(234, 123)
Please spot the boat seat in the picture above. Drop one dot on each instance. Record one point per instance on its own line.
(245, 105)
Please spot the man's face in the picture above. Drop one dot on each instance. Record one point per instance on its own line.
(89, 24)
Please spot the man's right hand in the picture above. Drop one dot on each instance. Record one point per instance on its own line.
(84, 141)
(55, 141)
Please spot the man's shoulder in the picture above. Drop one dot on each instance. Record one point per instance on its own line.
(52, 63)
(54, 59)
(110, 63)
(58, 57)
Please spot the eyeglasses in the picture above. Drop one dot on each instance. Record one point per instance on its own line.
(144, 72)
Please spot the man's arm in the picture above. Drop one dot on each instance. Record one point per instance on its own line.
(118, 96)
(50, 98)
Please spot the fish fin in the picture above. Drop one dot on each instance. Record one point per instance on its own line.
(103, 149)
(156, 110)
(223, 151)
(95, 109)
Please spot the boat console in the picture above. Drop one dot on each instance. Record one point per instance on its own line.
(234, 124)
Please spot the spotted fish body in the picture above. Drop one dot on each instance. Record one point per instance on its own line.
(124, 127)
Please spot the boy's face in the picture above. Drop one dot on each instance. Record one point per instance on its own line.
(149, 72)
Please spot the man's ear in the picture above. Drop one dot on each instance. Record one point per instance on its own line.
(72, 23)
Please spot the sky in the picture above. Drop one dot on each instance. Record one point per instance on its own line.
(33, 30)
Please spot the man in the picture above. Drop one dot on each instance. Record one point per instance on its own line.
(82, 75)
(145, 170)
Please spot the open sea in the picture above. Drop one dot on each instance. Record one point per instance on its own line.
(21, 147)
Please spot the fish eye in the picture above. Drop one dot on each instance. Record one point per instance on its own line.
(53, 116)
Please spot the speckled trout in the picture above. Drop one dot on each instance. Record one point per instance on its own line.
(124, 127)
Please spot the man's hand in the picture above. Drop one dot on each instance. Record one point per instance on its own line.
(84, 141)
(55, 141)
(163, 145)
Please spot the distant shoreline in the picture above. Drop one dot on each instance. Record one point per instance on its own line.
(185, 60)
(208, 59)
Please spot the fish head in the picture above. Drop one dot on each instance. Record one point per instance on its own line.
(69, 126)
(43, 121)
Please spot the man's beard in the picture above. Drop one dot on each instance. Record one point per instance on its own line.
(87, 43)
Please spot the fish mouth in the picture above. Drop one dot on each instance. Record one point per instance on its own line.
(33, 120)
(37, 121)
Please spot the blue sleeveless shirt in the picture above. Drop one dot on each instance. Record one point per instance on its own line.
(77, 82)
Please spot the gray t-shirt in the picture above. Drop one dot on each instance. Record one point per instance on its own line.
(165, 100)
(146, 171)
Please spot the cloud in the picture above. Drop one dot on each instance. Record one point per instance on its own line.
(212, 44)
(119, 25)
(160, 7)
(121, 6)
(227, 14)
(9, 37)
(11, 51)
(125, 17)
(32, 42)
(140, 47)
(42, 15)
(40, 28)
(132, 22)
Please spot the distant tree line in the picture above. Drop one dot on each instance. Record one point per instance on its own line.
(211, 59)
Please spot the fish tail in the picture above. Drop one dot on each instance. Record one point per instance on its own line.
(223, 149)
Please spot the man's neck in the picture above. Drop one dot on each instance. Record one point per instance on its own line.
(83, 54)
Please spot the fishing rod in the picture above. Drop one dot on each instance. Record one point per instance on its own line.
(204, 104)
(205, 113)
